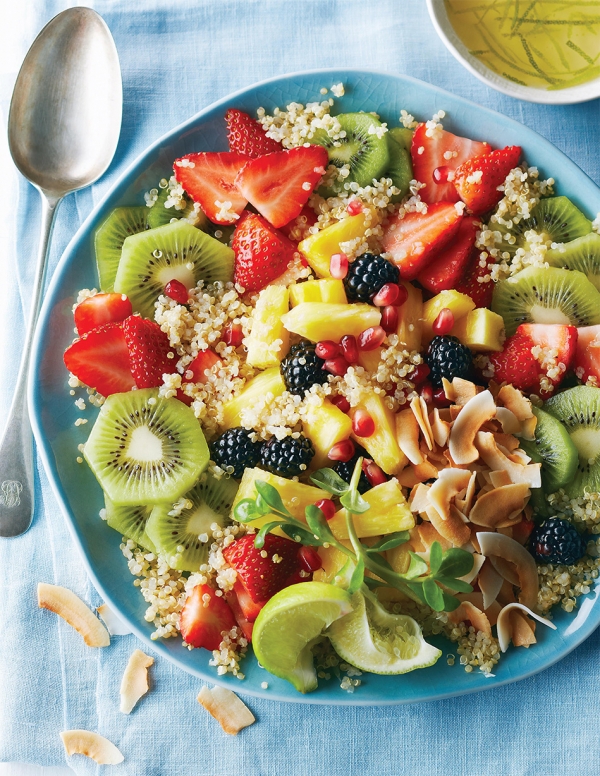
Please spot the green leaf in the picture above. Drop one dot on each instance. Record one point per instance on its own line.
(354, 502)
(435, 558)
(300, 534)
(259, 542)
(373, 584)
(417, 567)
(454, 584)
(450, 602)
(330, 481)
(357, 578)
(456, 563)
(434, 596)
(389, 541)
(378, 560)
(317, 523)
(245, 511)
(271, 497)
(417, 589)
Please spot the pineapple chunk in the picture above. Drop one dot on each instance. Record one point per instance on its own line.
(399, 558)
(410, 316)
(325, 426)
(325, 290)
(382, 445)
(322, 321)
(268, 341)
(319, 248)
(389, 512)
(459, 304)
(481, 330)
(370, 359)
(333, 561)
(269, 381)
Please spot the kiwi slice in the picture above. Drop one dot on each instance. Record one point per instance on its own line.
(399, 168)
(145, 449)
(546, 295)
(109, 239)
(159, 215)
(553, 448)
(367, 155)
(579, 410)
(130, 522)
(171, 528)
(582, 254)
(173, 251)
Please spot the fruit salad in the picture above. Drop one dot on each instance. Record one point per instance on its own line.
(347, 375)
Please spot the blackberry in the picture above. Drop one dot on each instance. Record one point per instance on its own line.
(345, 469)
(557, 541)
(366, 275)
(302, 368)
(287, 457)
(447, 357)
(236, 449)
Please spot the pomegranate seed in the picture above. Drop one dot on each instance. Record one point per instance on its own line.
(177, 291)
(327, 349)
(389, 319)
(233, 334)
(440, 174)
(354, 207)
(349, 348)
(440, 400)
(341, 402)
(338, 266)
(336, 366)
(363, 424)
(402, 296)
(444, 322)
(387, 294)
(342, 451)
(420, 374)
(373, 473)
(371, 339)
(309, 559)
(427, 392)
(327, 507)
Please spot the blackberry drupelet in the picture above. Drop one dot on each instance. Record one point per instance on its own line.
(557, 541)
(302, 368)
(366, 275)
(345, 469)
(447, 357)
(236, 448)
(287, 457)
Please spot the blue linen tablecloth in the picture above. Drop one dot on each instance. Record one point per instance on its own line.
(176, 58)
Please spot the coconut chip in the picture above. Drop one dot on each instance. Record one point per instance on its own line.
(500, 507)
(429, 534)
(71, 608)
(407, 434)
(507, 625)
(473, 415)
(419, 407)
(114, 624)
(439, 428)
(134, 683)
(449, 484)
(454, 529)
(497, 460)
(470, 612)
(225, 706)
(511, 398)
(459, 391)
(92, 745)
(506, 569)
(490, 583)
(508, 420)
(419, 499)
(465, 502)
(500, 546)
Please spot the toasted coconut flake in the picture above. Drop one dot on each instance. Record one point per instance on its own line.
(448, 485)
(499, 507)
(478, 561)
(508, 420)
(498, 479)
(511, 398)
(407, 434)
(470, 612)
(429, 534)
(499, 546)
(92, 745)
(454, 411)
(476, 598)
(464, 391)
(114, 624)
(225, 706)
(508, 444)
(419, 498)
(465, 503)
(474, 414)
(134, 683)
(454, 529)
(71, 608)
(506, 624)
(528, 429)
(439, 428)
(415, 473)
(419, 408)
(490, 583)
(448, 390)
(506, 569)
(498, 461)
(416, 542)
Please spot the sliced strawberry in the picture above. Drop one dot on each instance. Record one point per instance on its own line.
(477, 180)
(587, 356)
(297, 229)
(416, 238)
(209, 178)
(558, 344)
(449, 265)
(279, 185)
(233, 599)
(473, 284)
(444, 152)
(515, 363)
(100, 359)
(149, 350)
(101, 309)
(204, 361)
(262, 577)
(261, 252)
(246, 135)
(204, 618)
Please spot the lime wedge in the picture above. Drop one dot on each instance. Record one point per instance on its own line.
(290, 623)
(372, 639)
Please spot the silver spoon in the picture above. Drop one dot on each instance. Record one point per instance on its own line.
(63, 129)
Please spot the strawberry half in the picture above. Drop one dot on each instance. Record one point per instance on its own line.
(100, 309)
(449, 266)
(100, 359)
(204, 619)
(586, 363)
(148, 349)
(261, 252)
(444, 152)
(262, 577)
(480, 292)
(279, 185)
(515, 363)
(244, 609)
(297, 229)
(477, 180)
(558, 343)
(204, 361)
(246, 135)
(414, 239)
(209, 178)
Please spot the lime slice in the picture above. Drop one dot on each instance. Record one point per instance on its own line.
(372, 639)
(290, 623)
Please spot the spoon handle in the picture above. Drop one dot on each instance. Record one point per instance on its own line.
(16, 446)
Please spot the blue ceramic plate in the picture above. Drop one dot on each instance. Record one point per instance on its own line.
(53, 413)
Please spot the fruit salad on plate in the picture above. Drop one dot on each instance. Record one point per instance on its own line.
(348, 386)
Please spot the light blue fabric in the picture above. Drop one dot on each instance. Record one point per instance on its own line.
(176, 58)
